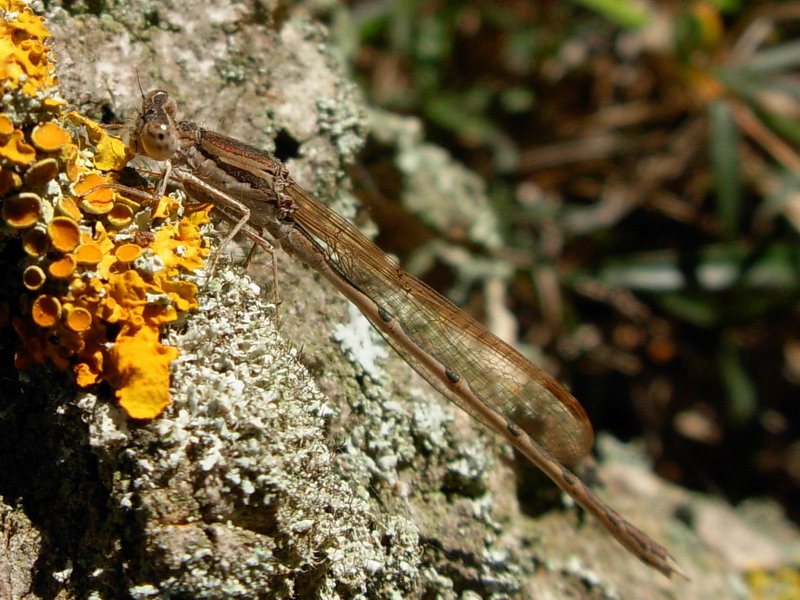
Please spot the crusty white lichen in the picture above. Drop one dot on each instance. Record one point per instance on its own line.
(236, 485)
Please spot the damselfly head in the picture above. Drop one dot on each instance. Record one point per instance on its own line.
(154, 134)
(158, 103)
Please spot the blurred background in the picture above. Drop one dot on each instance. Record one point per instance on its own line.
(636, 212)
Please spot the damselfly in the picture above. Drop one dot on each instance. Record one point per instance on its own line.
(452, 351)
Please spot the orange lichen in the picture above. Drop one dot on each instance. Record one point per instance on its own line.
(78, 319)
(27, 25)
(89, 253)
(41, 172)
(70, 341)
(99, 235)
(128, 252)
(184, 247)
(164, 207)
(130, 289)
(62, 267)
(35, 50)
(122, 296)
(120, 216)
(106, 297)
(25, 66)
(9, 181)
(23, 210)
(33, 277)
(6, 127)
(64, 234)
(113, 312)
(181, 293)
(93, 197)
(71, 167)
(35, 242)
(49, 137)
(16, 151)
(156, 316)
(76, 286)
(141, 372)
(66, 206)
(46, 310)
(85, 375)
(112, 153)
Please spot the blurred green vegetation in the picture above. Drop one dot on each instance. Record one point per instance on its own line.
(642, 161)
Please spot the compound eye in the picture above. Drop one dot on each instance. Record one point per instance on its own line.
(159, 141)
(162, 102)
(167, 104)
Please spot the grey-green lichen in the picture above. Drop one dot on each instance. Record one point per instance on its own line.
(236, 486)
